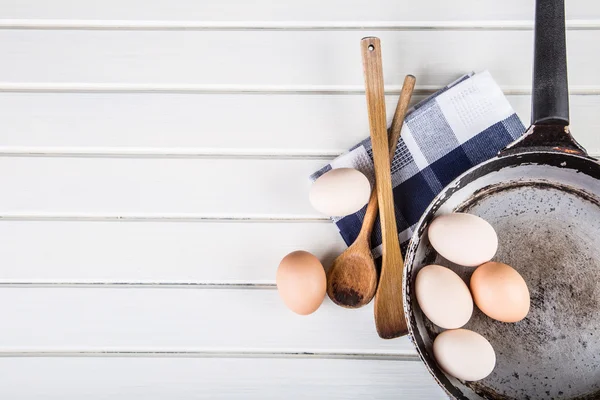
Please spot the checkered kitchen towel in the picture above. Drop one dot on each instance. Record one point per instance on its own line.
(460, 126)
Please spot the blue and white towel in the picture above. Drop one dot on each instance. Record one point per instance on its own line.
(460, 126)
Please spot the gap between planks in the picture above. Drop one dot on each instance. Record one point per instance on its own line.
(162, 152)
(465, 25)
(177, 153)
(407, 356)
(140, 285)
(258, 218)
(156, 88)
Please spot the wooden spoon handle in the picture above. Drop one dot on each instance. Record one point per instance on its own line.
(394, 135)
(389, 312)
(407, 88)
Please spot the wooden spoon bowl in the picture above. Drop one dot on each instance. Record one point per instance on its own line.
(353, 277)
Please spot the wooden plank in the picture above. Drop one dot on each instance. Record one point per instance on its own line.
(264, 59)
(143, 123)
(157, 252)
(181, 319)
(162, 378)
(156, 187)
(293, 10)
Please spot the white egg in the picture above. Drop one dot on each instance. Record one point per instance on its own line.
(464, 354)
(340, 192)
(464, 239)
(443, 297)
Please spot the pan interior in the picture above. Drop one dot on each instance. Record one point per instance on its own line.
(550, 233)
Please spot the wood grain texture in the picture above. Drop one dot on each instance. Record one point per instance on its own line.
(401, 108)
(389, 314)
(191, 124)
(212, 378)
(291, 10)
(317, 58)
(181, 319)
(394, 135)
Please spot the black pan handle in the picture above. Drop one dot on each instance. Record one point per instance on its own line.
(550, 100)
(549, 129)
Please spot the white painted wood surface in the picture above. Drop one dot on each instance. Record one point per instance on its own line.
(315, 125)
(153, 162)
(182, 319)
(216, 11)
(297, 60)
(221, 187)
(158, 251)
(213, 378)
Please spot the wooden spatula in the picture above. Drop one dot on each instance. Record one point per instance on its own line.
(389, 312)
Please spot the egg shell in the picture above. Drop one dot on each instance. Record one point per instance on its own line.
(464, 354)
(340, 192)
(301, 282)
(464, 239)
(443, 297)
(500, 292)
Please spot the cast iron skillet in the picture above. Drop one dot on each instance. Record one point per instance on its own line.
(542, 195)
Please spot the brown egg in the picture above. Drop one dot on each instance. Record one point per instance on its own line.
(500, 292)
(301, 282)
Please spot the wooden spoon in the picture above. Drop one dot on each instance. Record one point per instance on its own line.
(352, 279)
(389, 312)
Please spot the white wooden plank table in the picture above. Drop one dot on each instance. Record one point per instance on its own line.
(154, 158)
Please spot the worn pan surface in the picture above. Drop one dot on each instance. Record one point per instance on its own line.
(542, 195)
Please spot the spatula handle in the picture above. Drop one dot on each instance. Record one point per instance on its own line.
(394, 136)
(389, 313)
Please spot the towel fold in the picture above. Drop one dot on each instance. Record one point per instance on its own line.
(458, 127)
